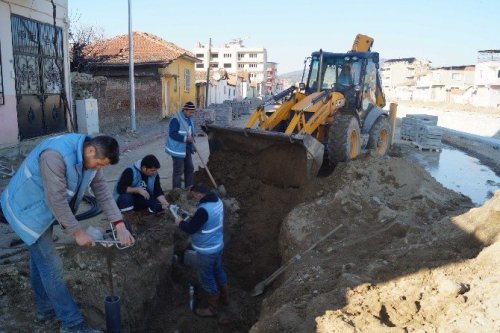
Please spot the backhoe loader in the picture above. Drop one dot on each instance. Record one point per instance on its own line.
(330, 118)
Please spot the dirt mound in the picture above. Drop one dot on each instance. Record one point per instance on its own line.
(403, 259)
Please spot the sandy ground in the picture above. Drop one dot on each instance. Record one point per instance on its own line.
(411, 256)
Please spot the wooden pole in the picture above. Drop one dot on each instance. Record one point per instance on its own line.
(393, 110)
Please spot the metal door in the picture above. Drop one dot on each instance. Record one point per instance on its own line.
(39, 72)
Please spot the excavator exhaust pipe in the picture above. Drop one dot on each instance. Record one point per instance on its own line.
(274, 157)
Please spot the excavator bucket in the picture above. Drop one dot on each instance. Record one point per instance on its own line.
(273, 157)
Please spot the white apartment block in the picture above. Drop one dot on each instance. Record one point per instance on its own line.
(487, 79)
(234, 57)
(399, 76)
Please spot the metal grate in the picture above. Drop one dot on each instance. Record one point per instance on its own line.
(38, 65)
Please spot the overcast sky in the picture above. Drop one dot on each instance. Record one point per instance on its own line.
(446, 32)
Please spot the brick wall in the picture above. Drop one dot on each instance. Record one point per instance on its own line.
(113, 100)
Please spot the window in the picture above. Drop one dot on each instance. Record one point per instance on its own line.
(227, 55)
(200, 66)
(200, 55)
(214, 65)
(253, 75)
(227, 65)
(456, 76)
(241, 56)
(214, 55)
(498, 74)
(241, 65)
(187, 80)
(253, 55)
(2, 100)
(175, 84)
(252, 65)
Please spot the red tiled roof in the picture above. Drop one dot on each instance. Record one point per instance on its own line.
(148, 48)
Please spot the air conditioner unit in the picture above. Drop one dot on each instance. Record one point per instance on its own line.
(87, 116)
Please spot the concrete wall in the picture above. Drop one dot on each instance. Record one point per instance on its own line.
(40, 10)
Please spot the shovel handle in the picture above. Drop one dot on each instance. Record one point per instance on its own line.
(184, 125)
(298, 256)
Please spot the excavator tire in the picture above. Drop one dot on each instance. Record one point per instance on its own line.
(343, 139)
(380, 136)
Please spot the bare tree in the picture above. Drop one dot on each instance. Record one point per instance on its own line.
(84, 41)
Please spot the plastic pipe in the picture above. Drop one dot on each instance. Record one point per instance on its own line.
(112, 310)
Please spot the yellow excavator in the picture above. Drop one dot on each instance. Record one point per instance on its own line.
(331, 118)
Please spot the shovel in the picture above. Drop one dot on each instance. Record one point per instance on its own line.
(221, 188)
(261, 286)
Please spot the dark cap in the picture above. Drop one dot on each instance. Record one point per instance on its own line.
(189, 106)
(200, 188)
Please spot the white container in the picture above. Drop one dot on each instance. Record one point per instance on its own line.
(87, 116)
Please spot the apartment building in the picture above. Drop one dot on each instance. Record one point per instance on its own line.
(399, 76)
(487, 79)
(235, 58)
(445, 84)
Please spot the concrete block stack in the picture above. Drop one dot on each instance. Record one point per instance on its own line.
(428, 137)
(223, 115)
(202, 117)
(410, 124)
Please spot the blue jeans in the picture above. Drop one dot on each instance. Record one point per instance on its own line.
(210, 271)
(182, 166)
(51, 293)
(129, 201)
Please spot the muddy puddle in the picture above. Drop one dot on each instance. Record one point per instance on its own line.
(460, 172)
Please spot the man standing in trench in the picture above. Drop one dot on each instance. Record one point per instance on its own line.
(179, 145)
(49, 186)
(206, 230)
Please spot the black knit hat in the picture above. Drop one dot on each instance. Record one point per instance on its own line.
(189, 106)
(200, 188)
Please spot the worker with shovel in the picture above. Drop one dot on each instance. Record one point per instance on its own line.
(179, 145)
(49, 187)
(206, 230)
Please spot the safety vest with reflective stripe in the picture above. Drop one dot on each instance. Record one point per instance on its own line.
(178, 148)
(209, 239)
(23, 200)
(137, 179)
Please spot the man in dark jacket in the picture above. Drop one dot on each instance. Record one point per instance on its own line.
(49, 186)
(139, 187)
(206, 230)
(179, 145)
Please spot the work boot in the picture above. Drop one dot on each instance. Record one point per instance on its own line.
(211, 309)
(224, 294)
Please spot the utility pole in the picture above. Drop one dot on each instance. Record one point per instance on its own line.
(131, 68)
(208, 70)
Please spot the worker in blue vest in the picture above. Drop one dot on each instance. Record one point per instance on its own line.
(179, 145)
(48, 187)
(139, 187)
(207, 239)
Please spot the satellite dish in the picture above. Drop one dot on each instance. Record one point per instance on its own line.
(217, 76)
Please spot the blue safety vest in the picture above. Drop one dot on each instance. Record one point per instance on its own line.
(209, 238)
(137, 179)
(178, 148)
(23, 200)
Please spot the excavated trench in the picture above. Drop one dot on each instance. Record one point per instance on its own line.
(254, 212)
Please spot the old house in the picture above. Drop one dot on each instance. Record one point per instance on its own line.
(34, 69)
(445, 84)
(164, 78)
